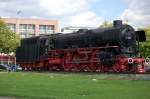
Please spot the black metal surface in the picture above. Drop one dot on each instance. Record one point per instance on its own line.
(28, 51)
(31, 49)
(123, 36)
(120, 35)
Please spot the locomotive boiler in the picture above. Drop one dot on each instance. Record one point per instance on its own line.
(114, 49)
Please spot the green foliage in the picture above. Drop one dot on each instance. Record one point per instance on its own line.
(72, 86)
(106, 24)
(145, 46)
(8, 40)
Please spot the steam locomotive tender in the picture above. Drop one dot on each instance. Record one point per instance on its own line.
(114, 49)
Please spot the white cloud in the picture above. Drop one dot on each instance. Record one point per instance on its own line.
(69, 12)
(74, 13)
(88, 18)
(137, 20)
(138, 13)
(65, 7)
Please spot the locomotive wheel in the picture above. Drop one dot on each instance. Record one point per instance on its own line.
(132, 69)
(92, 68)
(23, 69)
(80, 67)
(74, 68)
(103, 68)
(116, 68)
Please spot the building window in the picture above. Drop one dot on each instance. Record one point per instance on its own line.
(46, 29)
(27, 30)
(12, 27)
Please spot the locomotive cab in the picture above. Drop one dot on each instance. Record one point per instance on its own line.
(43, 45)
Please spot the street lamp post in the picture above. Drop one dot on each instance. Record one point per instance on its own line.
(18, 21)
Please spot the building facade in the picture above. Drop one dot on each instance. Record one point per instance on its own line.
(31, 27)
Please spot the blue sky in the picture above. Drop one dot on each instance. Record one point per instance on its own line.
(80, 12)
(109, 9)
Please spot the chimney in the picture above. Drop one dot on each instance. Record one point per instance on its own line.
(117, 23)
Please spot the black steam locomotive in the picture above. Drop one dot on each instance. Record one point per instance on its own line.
(114, 49)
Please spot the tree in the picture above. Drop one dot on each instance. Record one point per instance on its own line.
(9, 40)
(106, 24)
(145, 46)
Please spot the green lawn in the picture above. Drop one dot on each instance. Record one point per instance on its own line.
(72, 86)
